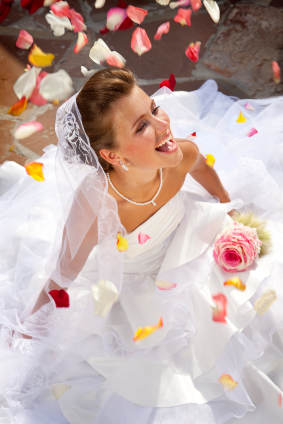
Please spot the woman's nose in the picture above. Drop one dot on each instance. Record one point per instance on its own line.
(161, 126)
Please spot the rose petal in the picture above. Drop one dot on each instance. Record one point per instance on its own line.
(122, 4)
(82, 41)
(104, 294)
(193, 50)
(27, 129)
(47, 3)
(213, 9)
(99, 4)
(210, 160)
(58, 24)
(122, 243)
(241, 119)
(126, 24)
(87, 73)
(249, 107)
(77, 21)
(220, 310)
(5, 8)
(227, 382)
(61, 298)
(115, 59)
(179, 3)
(163, 2)
(36, 97)
(99, 51)
(140, 43)
(34, 170)
(162, 29)
(38, 58)
(276, 72)
(142, 333)
(265, 301)
(136, 14)
(183, 17)
(32, 5)
(252, 132)
(26, 83)
(142, 238)
(18, 107)
(115, 16)
(104, 30)
(196, 5)
(169, 83)
(61, 9)
(24, 40)
(236, 282)
(165, 285)
(56, 86)
(192, 136)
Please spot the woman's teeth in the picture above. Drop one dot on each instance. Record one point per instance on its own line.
(166, 145)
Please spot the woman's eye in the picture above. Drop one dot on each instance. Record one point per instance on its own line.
(155, 110)
(143, 125)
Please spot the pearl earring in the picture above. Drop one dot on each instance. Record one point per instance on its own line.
(124, 167)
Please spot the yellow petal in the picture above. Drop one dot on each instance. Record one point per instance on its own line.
(265, 301)
(38, 58)
(142, 333)
(18, 107)
(34, 169)
(241, 119)
(122, 244)
(227, 382)
(236, 282)
(210, 160)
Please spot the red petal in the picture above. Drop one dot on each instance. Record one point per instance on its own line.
(221, 301)
(77, 21)
(105, 30)
(61, 298)
(5, 7)
(35, 97)
(126, 24)
(192, 51)
(122, 4)
(32, 5)
(169, 83)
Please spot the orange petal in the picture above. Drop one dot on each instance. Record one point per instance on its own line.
(18, 107)
(82, 41)
(236, 282)
(196, 5)
(276, 72)
(122, 243)
(142, 333)
(210, 160)
(227, 382)
(136, 14)
(241, 119)
(34, 169)
(140, 42)
(265, 301)
(24, 40)
(38, 58)
(220, 310)
(183, 17)
(165, 285)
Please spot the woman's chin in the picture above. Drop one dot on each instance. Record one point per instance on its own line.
(171, 159)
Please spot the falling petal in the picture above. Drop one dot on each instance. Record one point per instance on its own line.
(57, 86)
(196, 5)
(252, 132)
(162, 29)
(82, 41)
(5, 8)
(18, 107)
(115, 16)
(104, 294)
(142, 237)
(140, 43)
(213, 9)
(115, 59)
(36, 97)
(227, 382)
(276, 72)
(47, 3)
(169, 83)
(99, 4)
(193, 50)
(61, 9)
(24, 40)
(122, 243)
(142, 333)
(165, 285)
(122, 4)
(210, 160)
(192, 136)
(26, 83)
(38, 58)
(163, 2)
(104, 30)
(249, 107)
(99, 51)
(58, 25)
(77, 21)
(126, 24)
(183, 17)
(34, 170)
(87, 73)
(179, 3)
(27, 129)
(236, 282)
(220, 310)
(265, 301)
(241, 119)
(136, 14)
(32, 5)
(61, 298)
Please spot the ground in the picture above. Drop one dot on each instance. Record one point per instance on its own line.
(237, 53)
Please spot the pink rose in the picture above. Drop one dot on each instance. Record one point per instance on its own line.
(236, 247)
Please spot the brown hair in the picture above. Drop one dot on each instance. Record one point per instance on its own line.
(95, 102)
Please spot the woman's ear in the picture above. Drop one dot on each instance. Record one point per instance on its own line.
(110, 156)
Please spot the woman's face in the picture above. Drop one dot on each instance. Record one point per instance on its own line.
(143, 134)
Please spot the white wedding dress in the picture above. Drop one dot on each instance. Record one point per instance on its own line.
(172, 375)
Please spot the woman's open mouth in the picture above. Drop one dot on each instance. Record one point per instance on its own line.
(167, 146)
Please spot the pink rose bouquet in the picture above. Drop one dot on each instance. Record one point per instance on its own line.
(236, 247)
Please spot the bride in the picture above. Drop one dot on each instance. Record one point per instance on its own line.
(121, 234)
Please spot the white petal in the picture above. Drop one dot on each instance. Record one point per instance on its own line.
(87, 73)
(26, 82)
(27, 129)
(47, 3)
(57, 24)
(213, 9)
(99, 51)
(163, 2)
(99, 3)
(265, 301)
(57, 86)
(104, 294)
(165, 285)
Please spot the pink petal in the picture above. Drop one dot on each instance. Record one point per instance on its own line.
(115, 17)
(220, 310)
(143, 238)
(192, 136)
(192, 51)
(36, 97)
(196, 5)
(82, 41)
(115, 59)
(179, 3)
(162, 29)
(24, 40)
(77, 21)
(252, 132)
(61, 9)
(27, 129)
(140, 42)
(249, 107)
(183, 17)
(165, 285)
(276, 72)
(136, 14)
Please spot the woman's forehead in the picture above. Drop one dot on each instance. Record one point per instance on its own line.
(131, 107)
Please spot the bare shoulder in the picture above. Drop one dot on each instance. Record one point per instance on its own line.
(190, 154)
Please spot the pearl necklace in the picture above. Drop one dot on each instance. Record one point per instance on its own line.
(135, 203)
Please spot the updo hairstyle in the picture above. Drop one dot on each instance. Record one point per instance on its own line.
(96, 103)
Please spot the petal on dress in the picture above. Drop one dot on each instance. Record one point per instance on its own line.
(140, 43)
(241, 119)
(27, 129)
(122, 243)
(165, 285)
(248, 106)
(34, 170)
(142, 237)
(104, 294)
(236, 282)
(210, 160)
(24, 40)
(162, 29)
(227, 382)
(252, 132)
(142, 333)
(192, 136)
(265, 301)
(220, 310)
(61, 298)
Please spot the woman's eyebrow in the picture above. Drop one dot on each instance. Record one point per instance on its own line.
(152, 103)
